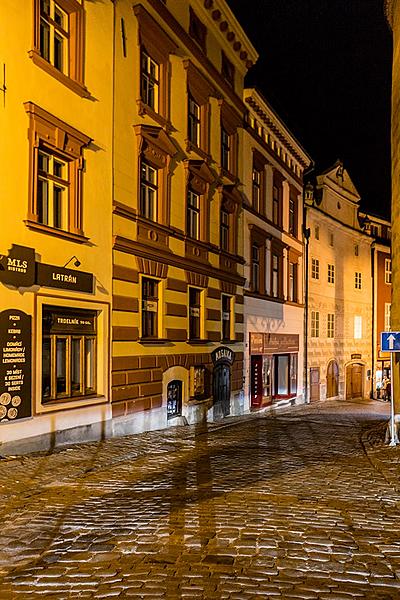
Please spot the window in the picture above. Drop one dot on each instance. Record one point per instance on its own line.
(357, 328)
(56, 163)
(194, 313)
(225, 150)
(256, 193)
(52, 191)
(314, 323)
(292, 216)
(314, 268)
(227, 70)
(197, 30)
(357, 280)
(149, 308)
(331, 239)
(316, 232)
(59, 41)
(331, 273)
(193, 122)
(193, 215)
(275, 205)
(148, 191)
(374, 231)
(388, 308)
(69, 348)
(293, 282)
(226, 317)
(275, 283)
(330, 328)
(356, 250)
(388, 270)
(149, 81)
(255, 268)
(224, 230)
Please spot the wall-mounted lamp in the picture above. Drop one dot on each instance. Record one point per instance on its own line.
(77, 262)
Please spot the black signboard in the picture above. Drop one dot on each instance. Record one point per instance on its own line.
(223, 354)
(65, 279)
(18, 268)
(15, 365)
(70, 322)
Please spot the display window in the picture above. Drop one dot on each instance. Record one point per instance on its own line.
(69, 353)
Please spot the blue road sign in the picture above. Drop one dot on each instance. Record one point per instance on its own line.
(390, 341)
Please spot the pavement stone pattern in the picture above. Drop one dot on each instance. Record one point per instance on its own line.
(301, 503)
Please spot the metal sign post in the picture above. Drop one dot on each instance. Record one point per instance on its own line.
(390, 342)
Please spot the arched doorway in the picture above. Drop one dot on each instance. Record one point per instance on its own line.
(354, 381)
(222, 389)
(332, 379)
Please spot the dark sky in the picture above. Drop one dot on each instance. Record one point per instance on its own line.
(325, 66)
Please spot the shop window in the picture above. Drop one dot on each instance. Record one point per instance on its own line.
(149, 81)
(56, 164)
(314, 268)
(150, 291)
(227, 329)
(388, 270)
(197, 30)
(331, 273)
(174, 399)
(59, 41)
(194, 313)
(357, 280)
(69, 347)
(193, 215)
(148, 191)
(330, 325)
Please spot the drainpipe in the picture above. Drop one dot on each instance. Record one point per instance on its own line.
(374, 331)
(308, 192)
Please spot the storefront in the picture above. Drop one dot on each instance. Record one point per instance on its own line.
(273, 367)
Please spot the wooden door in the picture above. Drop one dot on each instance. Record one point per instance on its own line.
(332, 379)
(314, 384)
(354, 376)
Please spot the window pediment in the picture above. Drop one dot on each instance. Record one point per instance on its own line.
(152, 36)
(230, 118)
(199, 175)
(199, 86)
(155, 144)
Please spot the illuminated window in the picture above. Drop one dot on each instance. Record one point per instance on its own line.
(193, 215)
(357, 327)
(52, 191)
(194, 313)
(149, 307)
(388, 311)
(315, 268)
(314, 323)
(194, 122)
(226, 302)
(330, 329)
(224, 230)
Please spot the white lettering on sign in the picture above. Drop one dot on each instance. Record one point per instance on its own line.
(62, 277)
(16, 264)
(224, 353)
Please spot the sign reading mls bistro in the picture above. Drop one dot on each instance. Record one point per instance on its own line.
(18, 268)
(65, 279)
(223, 354)
(15, 365)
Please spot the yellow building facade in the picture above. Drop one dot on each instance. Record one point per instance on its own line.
(177, 338)
(56, 173)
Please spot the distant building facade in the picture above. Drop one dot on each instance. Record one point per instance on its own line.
(339, 291)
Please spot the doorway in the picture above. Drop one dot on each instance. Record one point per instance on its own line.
(222, 389)
(332, 379)
(314, 384)
(354, 379)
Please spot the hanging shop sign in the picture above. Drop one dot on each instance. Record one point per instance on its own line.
(223, 354)
(15, 365)
(18, 267)
(65, 279)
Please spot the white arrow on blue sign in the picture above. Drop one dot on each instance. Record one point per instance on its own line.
(390, 341)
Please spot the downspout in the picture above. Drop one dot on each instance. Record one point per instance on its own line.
(374, 332)
(307, 196)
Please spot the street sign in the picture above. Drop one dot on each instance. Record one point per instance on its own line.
(390, 341)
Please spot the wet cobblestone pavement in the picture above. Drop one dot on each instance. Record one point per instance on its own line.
(301, 504)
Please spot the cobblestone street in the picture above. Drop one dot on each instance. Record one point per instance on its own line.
(303, 503)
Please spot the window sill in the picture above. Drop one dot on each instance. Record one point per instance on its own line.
(228, 341)
(145, 109)
(73, 85)
(70, 403)
(67, 235)
(191, 147)
(198, 342)
(152, 341)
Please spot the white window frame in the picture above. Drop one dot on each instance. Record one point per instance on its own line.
(315, 324)
(330, 325)
(388, 312)
(315, 268)
(388, 271)
(331, 273)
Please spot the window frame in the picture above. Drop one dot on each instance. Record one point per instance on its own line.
(193, 214)
(357, 280)
(148, 209)
(293, 230)
(314, 324)
(195, 324)
(331, 273)
(293, 295)
(388, 271)
(315, 269)
(387, 316)
(330, 325)
(73, 74)
(149, 81)
(227, 328)
(155, 324)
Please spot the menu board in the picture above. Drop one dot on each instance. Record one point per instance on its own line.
(15, 365)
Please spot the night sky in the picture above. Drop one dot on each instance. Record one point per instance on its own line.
(325, 67)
